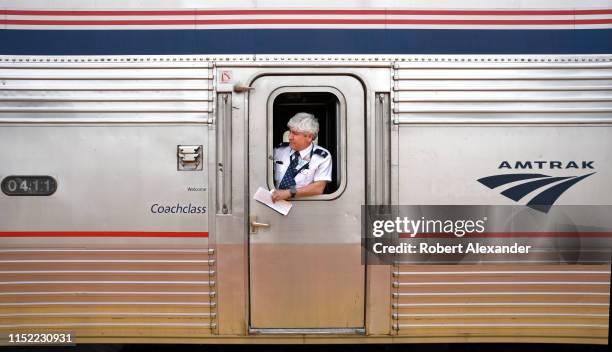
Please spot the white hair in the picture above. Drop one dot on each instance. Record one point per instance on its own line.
(305, 123)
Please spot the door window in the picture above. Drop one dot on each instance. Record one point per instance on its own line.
(327, 105)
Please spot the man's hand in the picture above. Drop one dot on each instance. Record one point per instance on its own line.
(280, 194)
(313, 189)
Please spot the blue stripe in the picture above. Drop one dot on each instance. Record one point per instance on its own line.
(304, 41)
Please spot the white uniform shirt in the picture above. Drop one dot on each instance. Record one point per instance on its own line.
(319, 168)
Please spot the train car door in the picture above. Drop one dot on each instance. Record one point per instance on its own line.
(305, 268)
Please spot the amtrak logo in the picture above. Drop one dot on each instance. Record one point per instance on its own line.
(530, 182)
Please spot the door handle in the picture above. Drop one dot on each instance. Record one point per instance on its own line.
(239, 88)
(256, 225)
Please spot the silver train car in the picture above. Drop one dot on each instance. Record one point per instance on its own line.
(127, 212)
(152, 233)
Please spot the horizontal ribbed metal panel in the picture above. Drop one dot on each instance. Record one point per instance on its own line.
(106, 92)
(104, 293)
(501, 300)
(502, 93)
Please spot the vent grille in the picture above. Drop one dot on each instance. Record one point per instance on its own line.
(501, 300)
(109, 292)
(502, 92)
(106, 92)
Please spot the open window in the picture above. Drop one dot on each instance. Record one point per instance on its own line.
(328, 106)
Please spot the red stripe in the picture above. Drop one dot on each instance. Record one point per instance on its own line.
(99, 23)
(593, 21)
(302, 21)
(511, 234)
(501, 12)
(205, 234)
(100, 234)
(502, 22)
(98, 13)
(289, 12)
(307, 12)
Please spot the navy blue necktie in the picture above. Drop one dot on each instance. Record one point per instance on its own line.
(288, 178)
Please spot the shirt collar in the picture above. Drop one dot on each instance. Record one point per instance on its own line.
(305, 153)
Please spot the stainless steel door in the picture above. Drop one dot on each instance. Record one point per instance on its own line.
(305, 268)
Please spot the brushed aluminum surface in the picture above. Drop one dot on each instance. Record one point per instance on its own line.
(109, 177)
(440, 164)
(502, 93)
(107, 91)
(428, 164)
(305, 270)
(529, 299)
(308, 331)
(109, 134)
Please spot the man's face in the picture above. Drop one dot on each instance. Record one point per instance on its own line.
(299, 140)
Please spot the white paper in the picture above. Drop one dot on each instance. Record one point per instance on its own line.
(264, 196)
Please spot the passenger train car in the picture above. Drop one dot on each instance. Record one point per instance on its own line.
(134, 134)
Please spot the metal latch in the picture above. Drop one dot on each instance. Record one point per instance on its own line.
(256, 225)
(189, 157)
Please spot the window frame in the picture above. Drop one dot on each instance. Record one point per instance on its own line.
(341, 124)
